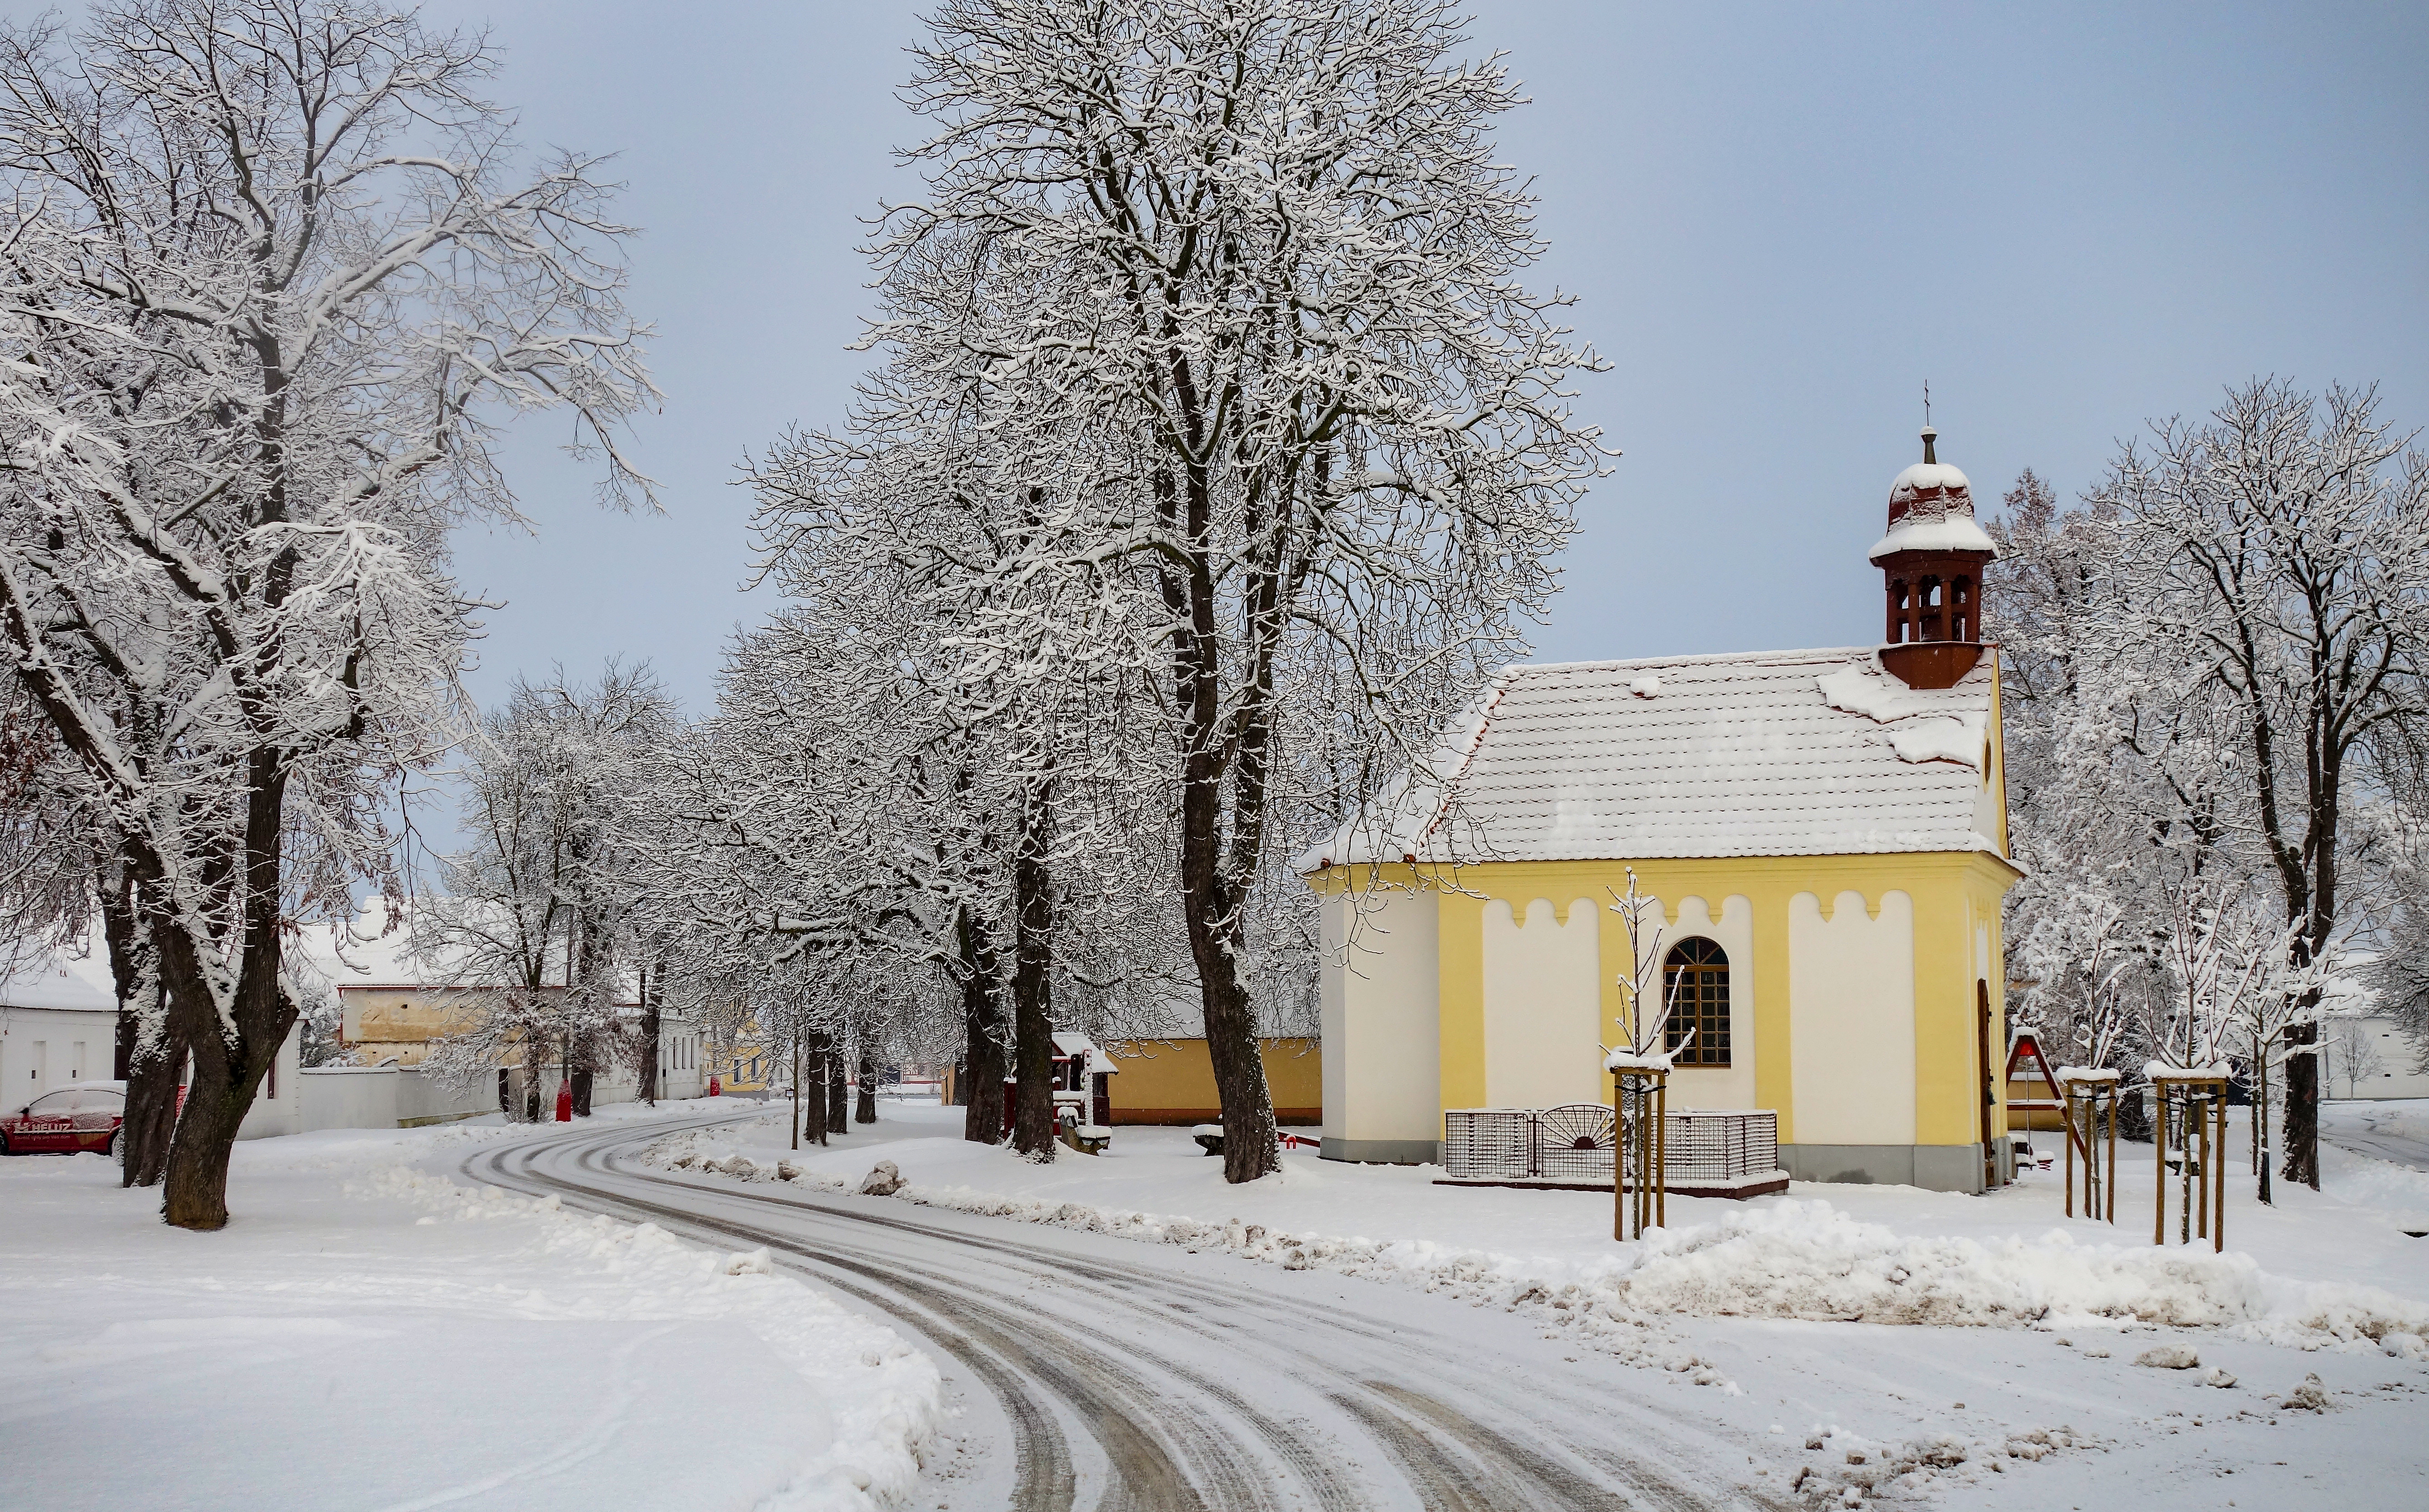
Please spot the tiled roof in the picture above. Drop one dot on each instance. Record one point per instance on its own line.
(1782, 752)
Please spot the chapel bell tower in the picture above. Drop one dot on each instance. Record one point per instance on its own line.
(1931, 565)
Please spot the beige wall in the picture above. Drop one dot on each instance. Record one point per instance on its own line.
(376, 1022)
(1851, 1020)
(1542, 1004)
(1382, 1070)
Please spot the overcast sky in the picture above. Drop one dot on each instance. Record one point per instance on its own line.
(1780, 221)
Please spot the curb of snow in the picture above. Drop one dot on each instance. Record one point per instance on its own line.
(1801, 1260)
(1794, 1260)
(884, 1398)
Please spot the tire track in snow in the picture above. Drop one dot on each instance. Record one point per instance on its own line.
(1005, 1310)
(1043, 1472)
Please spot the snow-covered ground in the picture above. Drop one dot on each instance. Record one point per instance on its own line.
(2336, 1267)
(2307, 1333)
(376, 1331)
(370, 1334)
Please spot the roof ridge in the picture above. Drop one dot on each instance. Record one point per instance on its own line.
(1700, 659)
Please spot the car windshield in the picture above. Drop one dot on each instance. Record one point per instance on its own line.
(50, 1103)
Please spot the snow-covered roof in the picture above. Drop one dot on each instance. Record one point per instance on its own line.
(62, 979)
(375, 957)
(1777, 753)
(1947, 532)
(1931, 508)
(1074, 1044)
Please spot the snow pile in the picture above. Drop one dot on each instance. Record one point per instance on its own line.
(1937, 739)
(1791, 1259)
(1806, 1259)
(1851, 1468)
(1922, 729)
(883, 1398)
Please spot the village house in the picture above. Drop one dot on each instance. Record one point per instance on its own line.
(395, 1009)
(1825, 832)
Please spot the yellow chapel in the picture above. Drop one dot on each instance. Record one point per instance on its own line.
(1825, 832)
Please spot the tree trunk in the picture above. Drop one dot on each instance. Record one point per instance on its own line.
(652, 1026)
(227, 1073)
(152, 1110)
(229, 1062)
(2261, 1145)
(1032, 1004)
(582, 1076)
(838, 1092)
(149, 1053)
(2302, 1104)
(797, 1091)
(814, 1106)
(865, 1111)
(1250, 1145)
(1210, 905)
(982, 1030)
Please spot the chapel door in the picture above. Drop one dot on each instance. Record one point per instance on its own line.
(1989, 1092)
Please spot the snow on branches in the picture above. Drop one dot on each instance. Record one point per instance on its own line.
(270, 285)
(1213, 403)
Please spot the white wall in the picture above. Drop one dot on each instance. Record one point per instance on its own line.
(43, 1049)
(1851, 1021)
(1383, 1018)
(383, 1097)
(278, 1103)
(679, 1052)
(1728, 1087)
(2392, 1077)
(1542, 1004)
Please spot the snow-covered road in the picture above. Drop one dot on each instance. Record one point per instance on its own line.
(2390, 1131)
(1099, 1373)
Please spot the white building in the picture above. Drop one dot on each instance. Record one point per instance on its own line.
(2369, 1057)
(58, 1023)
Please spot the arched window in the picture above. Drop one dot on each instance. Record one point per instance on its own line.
(1696, 983)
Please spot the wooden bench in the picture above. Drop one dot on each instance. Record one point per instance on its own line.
(1088, 1139)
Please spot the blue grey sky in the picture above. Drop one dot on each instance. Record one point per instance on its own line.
(1780, 221)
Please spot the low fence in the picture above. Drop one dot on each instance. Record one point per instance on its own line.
(1572, 1142)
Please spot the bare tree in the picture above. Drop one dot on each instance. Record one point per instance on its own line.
(2352, 1054)
(2273, 548)
(270, 289)
(539, 911)
(1246, 274)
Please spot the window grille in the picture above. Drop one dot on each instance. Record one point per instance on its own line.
(1696, 984)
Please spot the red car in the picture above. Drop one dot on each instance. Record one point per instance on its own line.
(80, 1116)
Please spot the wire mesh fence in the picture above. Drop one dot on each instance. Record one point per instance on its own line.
(1573, 1142)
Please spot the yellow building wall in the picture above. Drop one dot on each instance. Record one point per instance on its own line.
(745, 1064)
(1955, 895)
(375, 1023)
(1172, 1081)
